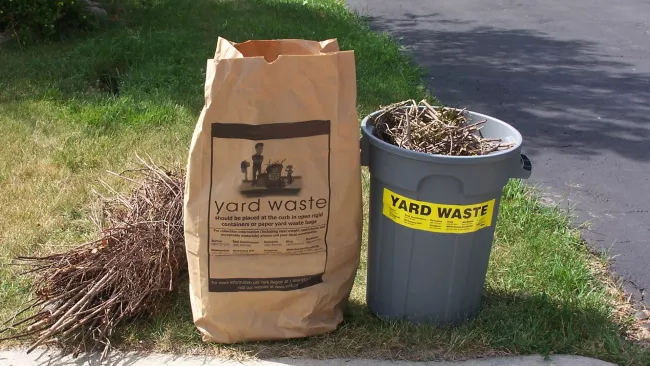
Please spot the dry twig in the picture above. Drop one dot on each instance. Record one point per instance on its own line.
(442, 131)
(81, 295)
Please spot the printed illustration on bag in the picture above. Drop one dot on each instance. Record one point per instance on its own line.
(268, 178)
(274, 202)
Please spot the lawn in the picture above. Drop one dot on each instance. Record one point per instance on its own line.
(69, 111)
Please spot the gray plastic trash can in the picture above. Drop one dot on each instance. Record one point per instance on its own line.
(432, 224)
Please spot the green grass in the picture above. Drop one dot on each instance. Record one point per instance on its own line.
(69, 111)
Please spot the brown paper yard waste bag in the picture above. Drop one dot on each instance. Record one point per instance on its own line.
(273, 194)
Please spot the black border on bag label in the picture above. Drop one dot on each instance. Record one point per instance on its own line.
(273, 131)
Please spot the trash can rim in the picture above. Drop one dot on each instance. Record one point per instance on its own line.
(367, 129)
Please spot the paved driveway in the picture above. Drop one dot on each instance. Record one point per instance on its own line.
(574, 77)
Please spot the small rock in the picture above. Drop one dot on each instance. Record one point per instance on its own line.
(98, 11)
(642, 314)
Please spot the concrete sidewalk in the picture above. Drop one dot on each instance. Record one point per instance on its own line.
(52, 358)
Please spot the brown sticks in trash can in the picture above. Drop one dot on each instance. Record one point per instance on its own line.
(441, 131)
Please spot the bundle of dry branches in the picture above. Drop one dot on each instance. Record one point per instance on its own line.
(81, 295)
(442, 131)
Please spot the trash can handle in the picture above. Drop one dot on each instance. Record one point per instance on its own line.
(364, 150)
(524, 169)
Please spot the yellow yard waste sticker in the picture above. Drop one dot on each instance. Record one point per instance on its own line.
(436, 217)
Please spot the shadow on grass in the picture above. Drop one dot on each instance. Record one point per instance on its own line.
(527, 323)
(158, 54)
(508, 323)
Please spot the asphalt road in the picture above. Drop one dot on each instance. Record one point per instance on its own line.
(574, 77)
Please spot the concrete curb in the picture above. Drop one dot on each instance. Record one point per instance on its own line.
(53, 358)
